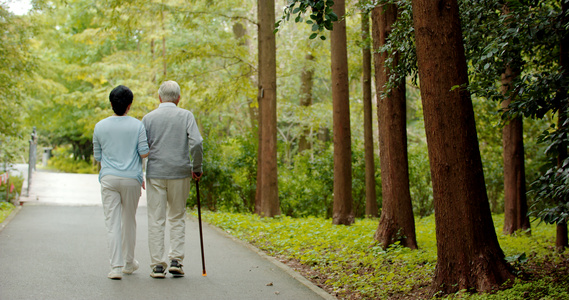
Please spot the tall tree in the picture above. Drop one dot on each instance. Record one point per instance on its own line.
(515, 200)
(342, 209)
(371, 196)
(15, 67)
(468, 253)
(396, 222)
(267, 200)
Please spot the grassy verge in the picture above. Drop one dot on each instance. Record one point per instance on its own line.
(6, 209)
(346, 262)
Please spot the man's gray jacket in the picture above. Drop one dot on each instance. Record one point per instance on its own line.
(175, 143)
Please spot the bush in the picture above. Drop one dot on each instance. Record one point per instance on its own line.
(17, 181)
(420, 184)
(63, 160)
(306, 187)
(229, 178)
(6, 209)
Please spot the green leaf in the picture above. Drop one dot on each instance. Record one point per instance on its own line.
(315, 27)
(313, 36)
(333, 17)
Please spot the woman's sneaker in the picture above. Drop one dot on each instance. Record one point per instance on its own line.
(176, 268)
(130, 267)
(158, 272)
(115, 273)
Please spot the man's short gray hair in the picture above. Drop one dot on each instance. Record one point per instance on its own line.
(169, 91)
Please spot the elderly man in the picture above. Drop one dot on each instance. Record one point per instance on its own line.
(171, 132)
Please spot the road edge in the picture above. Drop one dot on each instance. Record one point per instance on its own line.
(10, 217)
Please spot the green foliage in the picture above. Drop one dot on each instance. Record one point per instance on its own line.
(551, 194)
(348, 261)
(15, 67)
(63, 159)
(420, 179)
(321, 15)
(17, 181)
(524, 37)
(6, 209)
(228, 187)
(305, 189)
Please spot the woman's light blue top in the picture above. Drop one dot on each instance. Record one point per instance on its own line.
(118, 142)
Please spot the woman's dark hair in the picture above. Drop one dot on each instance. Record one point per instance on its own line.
(121, 98)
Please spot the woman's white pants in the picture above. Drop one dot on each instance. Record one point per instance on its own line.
(120, 197)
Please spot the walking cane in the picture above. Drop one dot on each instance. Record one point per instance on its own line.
(200, 225)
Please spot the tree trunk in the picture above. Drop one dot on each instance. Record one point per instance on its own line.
(396, 222)
(152, 52)
(267, 202)
(342, 208)
(515, 201)
(468, 253)
(371, 196)
(306, 99)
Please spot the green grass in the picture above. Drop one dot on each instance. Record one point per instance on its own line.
(347, 262)
(6, 209)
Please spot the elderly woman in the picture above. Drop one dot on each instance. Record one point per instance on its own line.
(119, 143)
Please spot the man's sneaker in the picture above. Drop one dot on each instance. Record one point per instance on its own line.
(130, 267)
(115, 273)
(158, 272)
(176, 268)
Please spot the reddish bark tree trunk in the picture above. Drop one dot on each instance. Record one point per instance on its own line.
(396, 222)
(342, 209)
(468, 253)
(371, 195)
(515, 200)
(267, 202)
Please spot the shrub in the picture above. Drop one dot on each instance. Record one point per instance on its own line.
(6, 209)
(17, 181)
(63, 160)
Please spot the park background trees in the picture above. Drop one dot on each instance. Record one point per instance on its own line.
(72, 53)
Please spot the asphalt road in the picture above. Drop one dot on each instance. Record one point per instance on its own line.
(54, 247)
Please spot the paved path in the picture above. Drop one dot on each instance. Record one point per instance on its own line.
(54, 247)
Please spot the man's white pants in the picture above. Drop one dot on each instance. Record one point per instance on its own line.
(166, 197)
(120, 197)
